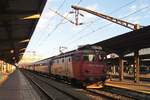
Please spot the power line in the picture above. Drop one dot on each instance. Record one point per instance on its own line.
(137, 11)
(64, 18)
(61, 5)
(104, 25)
(95, 20)
(79, 2)
(93, 31)
(51, 19)
(116, 10)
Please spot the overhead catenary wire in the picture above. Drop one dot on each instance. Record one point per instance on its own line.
(95, 20)
(64, 18)
(106, 25)
(94, 30)
(61, 5)
(114, 11)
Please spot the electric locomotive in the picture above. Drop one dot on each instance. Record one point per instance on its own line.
(83, 66)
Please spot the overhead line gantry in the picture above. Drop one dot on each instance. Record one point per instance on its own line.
(110, 18)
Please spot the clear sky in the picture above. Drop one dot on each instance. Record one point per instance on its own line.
(53, 31)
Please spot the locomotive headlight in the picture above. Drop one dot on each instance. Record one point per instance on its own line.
(108, 56)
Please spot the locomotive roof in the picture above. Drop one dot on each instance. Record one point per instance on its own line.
(69, 53)
(54, 57)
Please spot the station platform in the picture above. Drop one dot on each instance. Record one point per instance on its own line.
(17, 87)
(142, 86)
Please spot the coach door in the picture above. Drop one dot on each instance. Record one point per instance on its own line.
(49, 66)
(66, 66)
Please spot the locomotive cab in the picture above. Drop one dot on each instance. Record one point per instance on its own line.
(93, 67)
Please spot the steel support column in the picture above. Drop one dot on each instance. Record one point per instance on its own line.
(121, 71)
(136, 65)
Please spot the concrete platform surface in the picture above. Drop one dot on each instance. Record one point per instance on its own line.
(143, 87)
(17, 87)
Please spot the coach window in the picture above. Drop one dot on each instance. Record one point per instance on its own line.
(69, 59)
(57, 61)
(62, 60)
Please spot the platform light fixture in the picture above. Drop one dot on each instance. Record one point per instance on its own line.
(35, 16)
(23, 41)
(11, 51)
(22, 49)
(13, 58)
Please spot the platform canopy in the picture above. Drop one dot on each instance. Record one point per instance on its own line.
(126, 43)
(18, 19)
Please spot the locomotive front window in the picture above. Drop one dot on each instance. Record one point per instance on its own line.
(89, 57)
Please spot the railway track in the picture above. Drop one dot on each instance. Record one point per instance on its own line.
(119, 93)
(109, 95)
(52, 92)
(136, 95)
(90, 95)
(106, 93)
(43, 92)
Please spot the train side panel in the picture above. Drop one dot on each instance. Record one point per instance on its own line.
(62, 67)
(76, 65)
(42, 69)
(42, 66)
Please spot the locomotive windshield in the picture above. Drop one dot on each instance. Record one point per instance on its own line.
(89, 57)
(94, 56)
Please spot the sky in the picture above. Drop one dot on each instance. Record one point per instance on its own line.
(53, 31)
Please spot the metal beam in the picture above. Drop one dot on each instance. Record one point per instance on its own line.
(110, 18)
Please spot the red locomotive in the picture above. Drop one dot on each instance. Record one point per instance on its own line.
(82, 66)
